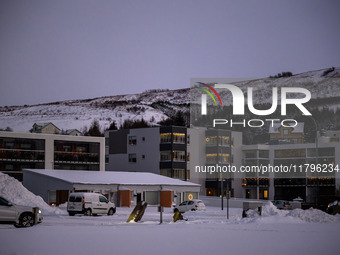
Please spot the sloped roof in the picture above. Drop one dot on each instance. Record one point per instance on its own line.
(111, 177)
(69, 131)
(274, 129)
(42, 125)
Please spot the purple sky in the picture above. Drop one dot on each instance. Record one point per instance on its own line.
(58, 50)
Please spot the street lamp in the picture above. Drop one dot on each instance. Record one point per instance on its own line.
(316, 161)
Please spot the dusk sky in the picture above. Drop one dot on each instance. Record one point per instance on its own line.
(59, 50)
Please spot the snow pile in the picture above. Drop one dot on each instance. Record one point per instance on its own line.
(271, 214)
(13, 190)
(312, 215)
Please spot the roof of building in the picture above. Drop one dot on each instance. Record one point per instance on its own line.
(111, 177)
(274, 129)
(69, 131)
(41, 125)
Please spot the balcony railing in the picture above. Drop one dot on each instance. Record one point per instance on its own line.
(21, 155)
(76, 157)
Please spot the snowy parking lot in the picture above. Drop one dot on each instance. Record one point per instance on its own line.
(205, 232)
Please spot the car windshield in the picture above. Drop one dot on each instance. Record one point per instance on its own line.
(3, 201)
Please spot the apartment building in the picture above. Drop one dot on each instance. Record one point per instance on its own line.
(159, 150)
(312, 187)
(49, 151)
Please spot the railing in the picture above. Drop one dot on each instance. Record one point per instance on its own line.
(76, 157)
(21, 155)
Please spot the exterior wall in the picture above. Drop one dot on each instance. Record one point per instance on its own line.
(41, 185)
(146, 150)
(291, 137)
(48, 161)
(196, 149)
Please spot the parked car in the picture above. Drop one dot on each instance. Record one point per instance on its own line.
(89, 204)
(191, 205)
(19, 215)
(333, 208)
(282, 204)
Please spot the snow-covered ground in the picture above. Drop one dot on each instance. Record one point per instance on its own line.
(205, 232)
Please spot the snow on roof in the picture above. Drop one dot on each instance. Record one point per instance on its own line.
(297, 129)
(108, 177)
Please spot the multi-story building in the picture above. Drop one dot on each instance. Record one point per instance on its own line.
(49, 151)
(174, 152)
(160, 150)
(178, 152)
(310, 186)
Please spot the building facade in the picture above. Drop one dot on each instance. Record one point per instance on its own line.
(176, 152)
(159, 150)
(311, 187)
(48, 151)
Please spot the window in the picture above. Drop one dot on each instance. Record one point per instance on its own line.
(179, 138)
(211, 140)
(296, 153)
(179, 155)
(132, 158)
(166, 138)
(223, 140)
(250, 154)
(106, 159)
(102, 199)
(285, 131)
(165, 172)
(143, 139)
(179, 174)
(143, 156)
(133, 140)
(165, 155)
(263, 154)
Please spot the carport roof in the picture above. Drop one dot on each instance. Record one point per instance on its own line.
(108, 177)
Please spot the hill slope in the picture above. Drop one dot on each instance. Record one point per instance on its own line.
(154, 106)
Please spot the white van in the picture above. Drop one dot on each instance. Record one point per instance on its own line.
(89, 204)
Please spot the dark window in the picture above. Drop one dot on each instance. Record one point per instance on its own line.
(102, 199)
(132, 158)
(3, 201)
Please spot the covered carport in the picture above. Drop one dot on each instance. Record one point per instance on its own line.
(123, 188)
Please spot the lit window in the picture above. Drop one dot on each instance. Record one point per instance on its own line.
(265, 193)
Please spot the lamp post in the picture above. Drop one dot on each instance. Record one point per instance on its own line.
(316, 160)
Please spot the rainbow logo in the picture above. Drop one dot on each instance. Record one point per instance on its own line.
(209, 93)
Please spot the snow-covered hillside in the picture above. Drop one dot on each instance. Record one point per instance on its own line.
(154, 106)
